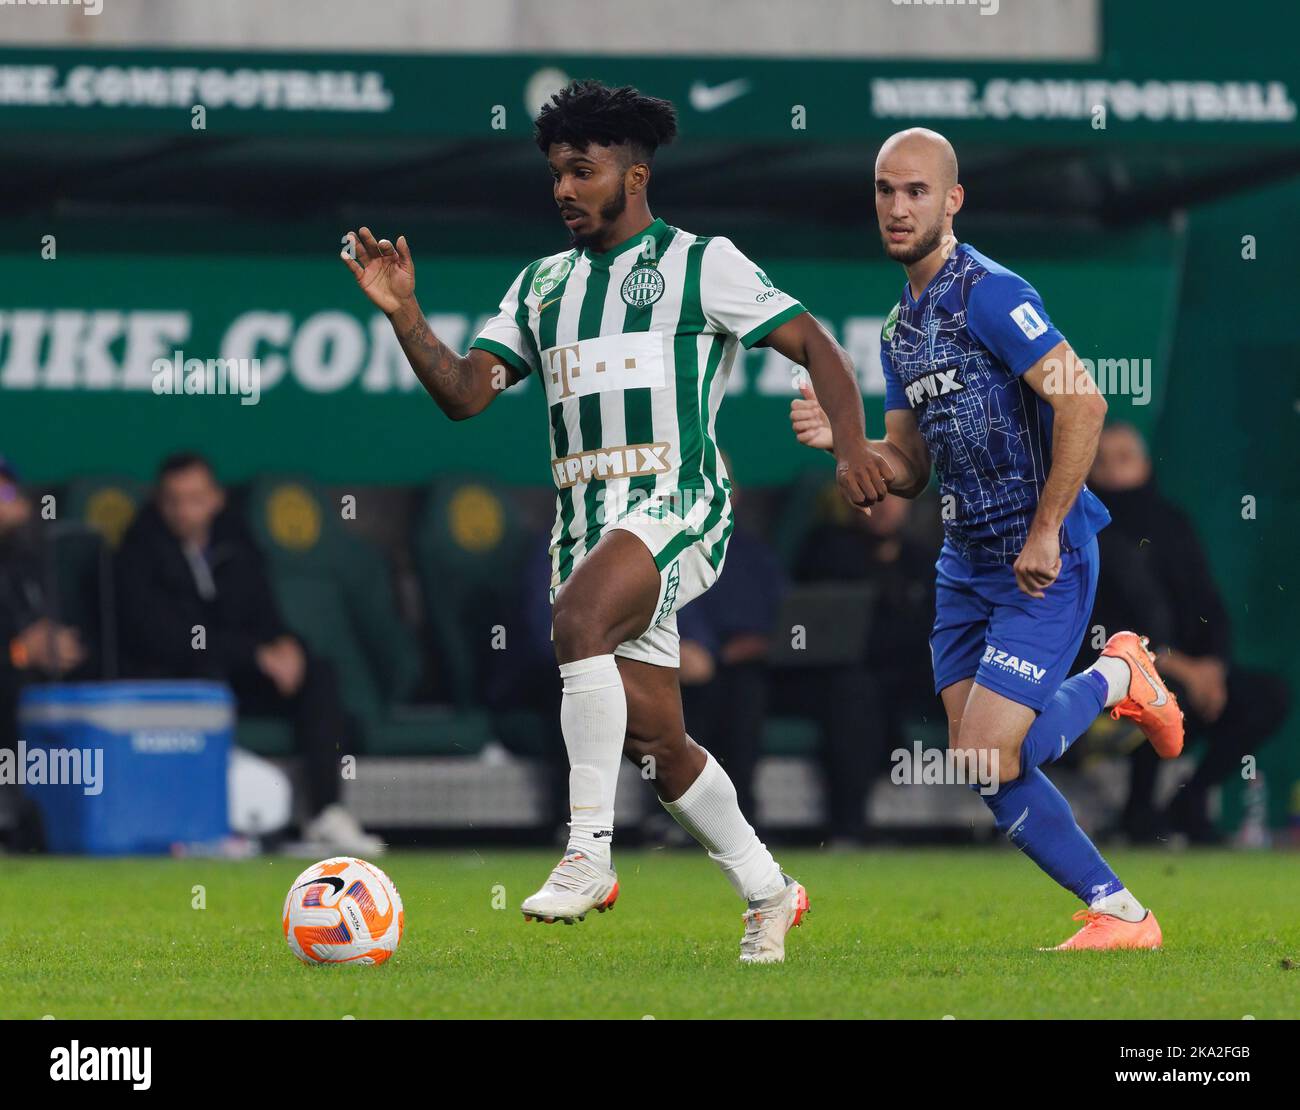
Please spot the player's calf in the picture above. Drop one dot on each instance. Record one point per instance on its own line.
(670, 763)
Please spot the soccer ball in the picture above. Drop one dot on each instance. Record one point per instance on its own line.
(342, 911)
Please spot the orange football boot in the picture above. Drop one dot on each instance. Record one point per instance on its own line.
(1104, 930)
(1149, 702)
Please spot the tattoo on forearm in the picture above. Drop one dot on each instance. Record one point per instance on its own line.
(441, 371)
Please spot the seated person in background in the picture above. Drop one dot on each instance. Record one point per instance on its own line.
(1154, 575)
(36, 647)
(188, 561)
(895, 677)
(880, 548)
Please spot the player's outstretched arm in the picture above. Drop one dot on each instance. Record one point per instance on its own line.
(903, 446)
(862, 473)
(1078, 412)
(462, 385)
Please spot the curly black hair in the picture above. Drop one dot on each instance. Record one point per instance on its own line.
(586, 112)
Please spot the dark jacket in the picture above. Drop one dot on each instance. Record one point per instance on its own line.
(159, 602)
(22, 587)
(1155, 578)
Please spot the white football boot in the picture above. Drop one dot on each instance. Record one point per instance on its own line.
(575, 887)
(768, 921)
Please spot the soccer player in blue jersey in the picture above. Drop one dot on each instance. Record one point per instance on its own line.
(980, 385)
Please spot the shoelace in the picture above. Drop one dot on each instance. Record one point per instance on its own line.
(1088, 917)
(573, 873)
(754, 921)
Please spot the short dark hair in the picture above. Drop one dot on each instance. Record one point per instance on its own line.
(184, 460)
(586, 112)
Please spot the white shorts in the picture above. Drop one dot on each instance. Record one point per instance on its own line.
(685, 572)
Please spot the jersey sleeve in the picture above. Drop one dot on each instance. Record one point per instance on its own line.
(737, 296)
(506, 335)
(895, 398)
(1005, 313)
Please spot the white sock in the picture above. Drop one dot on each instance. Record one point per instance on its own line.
(1116, 673)
(593, 718)
(1121, 904)
(710, 812)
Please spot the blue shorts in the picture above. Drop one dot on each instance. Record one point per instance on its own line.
(1013, 644)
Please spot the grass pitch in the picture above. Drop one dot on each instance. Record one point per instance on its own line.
(893, 934)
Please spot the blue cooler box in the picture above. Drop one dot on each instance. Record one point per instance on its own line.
(161, 749)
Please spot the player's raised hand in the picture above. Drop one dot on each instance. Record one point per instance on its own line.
(812, 427)
(384, 270)
(1039, 563)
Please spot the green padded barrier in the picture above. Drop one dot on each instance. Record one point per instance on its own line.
(790, 736)
(336, 591)
(107, 504)
(469, 547)
(389, 645)
(435, 730)
(313, 607)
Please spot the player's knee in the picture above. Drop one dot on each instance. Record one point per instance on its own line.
(992, 760)
(1007, 768)
(577, 634)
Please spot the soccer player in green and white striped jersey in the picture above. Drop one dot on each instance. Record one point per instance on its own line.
(633, 332)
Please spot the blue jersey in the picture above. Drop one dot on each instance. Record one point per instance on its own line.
(954, 357)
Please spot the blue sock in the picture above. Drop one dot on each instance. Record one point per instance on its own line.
(1063, 720)
(1037, 820)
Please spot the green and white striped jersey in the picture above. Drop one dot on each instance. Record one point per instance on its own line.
(634, 347)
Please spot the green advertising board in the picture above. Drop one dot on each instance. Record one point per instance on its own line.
(80, 336)
(1159, 77)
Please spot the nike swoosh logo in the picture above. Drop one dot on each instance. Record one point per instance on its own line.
(709, 98)
(1161, 696)
(332, 881)
(546, 304)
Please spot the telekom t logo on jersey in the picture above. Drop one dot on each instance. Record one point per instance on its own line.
(565, 367)
(612, 362)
